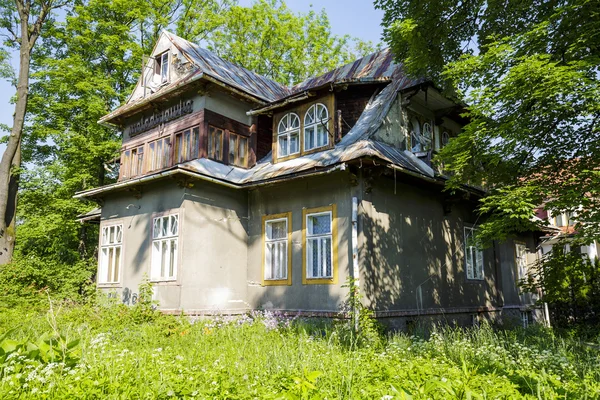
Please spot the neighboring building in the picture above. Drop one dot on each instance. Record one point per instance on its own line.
(238, 193)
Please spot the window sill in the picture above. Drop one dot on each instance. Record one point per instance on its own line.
(115, 285)
(319, 281)
(473, 280)
(171, 282)
(277, 282)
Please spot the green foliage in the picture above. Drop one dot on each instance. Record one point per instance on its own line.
(570, 285)
(529, 71)
(245, 357)
(270, 39)
(361, 329)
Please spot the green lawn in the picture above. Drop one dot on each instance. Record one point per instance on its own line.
(128, 353)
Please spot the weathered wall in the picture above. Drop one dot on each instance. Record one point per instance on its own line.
(212, 244)
(293, 197)
(508, 270)
(415, 253)
(394, 129)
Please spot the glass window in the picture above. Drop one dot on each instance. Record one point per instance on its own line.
(315, 127)
(158, 152)
(415, 136)
(427, 136)
(521, 260)
(215, 143)
(288, 135)
(473, 256)
(165, 231)
(276, 249)
(319, 242)
(164, 67)
(445, 138)
(238, 150)
(186, 144)
(111, 240)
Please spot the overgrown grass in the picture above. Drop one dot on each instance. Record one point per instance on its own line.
(99, 351)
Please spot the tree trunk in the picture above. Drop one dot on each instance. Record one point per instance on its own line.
(7, 241)
(8, 180)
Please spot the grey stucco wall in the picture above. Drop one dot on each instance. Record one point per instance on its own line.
(415, 254)
(212, 244)
(292, 197)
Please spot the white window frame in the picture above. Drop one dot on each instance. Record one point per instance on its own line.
(521, 260)
(474, 261)
(311, 128)
(318, 239)
(164, 60)
(279, 244)
(525, 316)
(158, 271)
(285, 129)
(106, 272)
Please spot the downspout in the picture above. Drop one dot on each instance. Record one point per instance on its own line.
(355, 270)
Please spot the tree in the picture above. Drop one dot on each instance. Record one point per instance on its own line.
(22, 24)
(268, 38)
(529, 71)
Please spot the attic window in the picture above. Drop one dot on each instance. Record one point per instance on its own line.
(161, 67)
(288, 135)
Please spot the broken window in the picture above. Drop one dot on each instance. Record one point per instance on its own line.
(473, 255)
(238, 150)
(426, 136)
(111, 240)
(165, 231)
(215, 143)
(158, 154)
(276, 249)
(161, 67)
(415, 134)
(315, 127)
(319, 245)
(186, 144)
(288, 135)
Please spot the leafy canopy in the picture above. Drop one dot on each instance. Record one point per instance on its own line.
(529, 71)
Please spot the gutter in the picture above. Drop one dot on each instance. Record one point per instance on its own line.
(175, 171)
(289, 100)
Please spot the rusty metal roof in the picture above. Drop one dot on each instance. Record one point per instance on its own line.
(230, 73)
(376, 67)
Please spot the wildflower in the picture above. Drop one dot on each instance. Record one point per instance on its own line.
(179, 358)
(170, 393)
(34, 390)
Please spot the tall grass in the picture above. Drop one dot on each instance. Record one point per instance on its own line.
(126, 353)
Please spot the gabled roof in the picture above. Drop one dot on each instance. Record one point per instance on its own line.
(231, 74)
(358, 143)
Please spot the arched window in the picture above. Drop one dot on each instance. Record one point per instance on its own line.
(427, 136)
(288, 135)
(415, 136)
(445, 138)
(315, 127)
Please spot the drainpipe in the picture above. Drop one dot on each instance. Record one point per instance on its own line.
(355, 271)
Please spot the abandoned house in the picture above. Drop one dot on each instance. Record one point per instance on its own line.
(236, 192)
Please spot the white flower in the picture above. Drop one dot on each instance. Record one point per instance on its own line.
(170, 393)
(178, 357)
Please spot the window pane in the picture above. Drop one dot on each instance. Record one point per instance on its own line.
(232, 159)
(283, 146)
(282, 260)
(165, 67)
(211, 141)
(322, 137)
(326, 252)
(294, 121)
(309, 138)
(164, 254)
(313, 257)
(174, 225)
(111, 238)
(294, 142)
(164, 231)
(156, 228)
(173, 258)
(276, 230)
(194, 145)
(119, 233)
(117, 264)
(218, 144)
(111, 257)
(105, 235)
(242, 147)
(319, 224)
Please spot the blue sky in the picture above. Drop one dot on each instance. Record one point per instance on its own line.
(357, 18)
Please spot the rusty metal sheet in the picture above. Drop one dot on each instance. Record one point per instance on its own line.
(229, 73)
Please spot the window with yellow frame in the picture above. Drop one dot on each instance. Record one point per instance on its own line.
(319, 245)
(277, 249)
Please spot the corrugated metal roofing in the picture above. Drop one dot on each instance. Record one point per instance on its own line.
(229, 73)
(377, 67)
